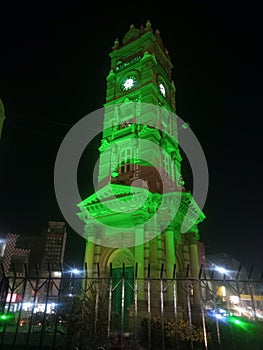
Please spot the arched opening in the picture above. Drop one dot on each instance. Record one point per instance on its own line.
(122, 261)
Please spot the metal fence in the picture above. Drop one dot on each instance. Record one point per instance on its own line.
(115, 309)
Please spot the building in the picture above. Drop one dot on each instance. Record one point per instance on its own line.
(201, 255)
(54, 247)
(14, 258)
(139, 147)
(52, 263)
(14, 255)
(233, 286)
(2, 247)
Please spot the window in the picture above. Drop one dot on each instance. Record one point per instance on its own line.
(166, 162)
(125, 168)
(125, 160)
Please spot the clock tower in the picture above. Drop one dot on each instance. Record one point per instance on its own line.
(138, 213)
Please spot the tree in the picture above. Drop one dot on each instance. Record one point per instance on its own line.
(84, 317)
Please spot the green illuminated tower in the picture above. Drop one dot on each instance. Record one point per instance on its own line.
(140, 106)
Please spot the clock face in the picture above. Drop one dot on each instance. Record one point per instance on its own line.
(128, 83)
(162, 89)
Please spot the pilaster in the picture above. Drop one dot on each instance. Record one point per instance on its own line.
(194, 274)
(139, 259)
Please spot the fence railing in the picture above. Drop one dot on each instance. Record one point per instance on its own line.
(115, 309)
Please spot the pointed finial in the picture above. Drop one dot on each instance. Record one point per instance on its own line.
(166, 52)
(148, 26)
(131, 35)
(116, 44)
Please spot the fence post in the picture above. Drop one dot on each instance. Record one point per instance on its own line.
(12, 289)
(189, 306)
(109, 307)
(162, 306)
(97, 299)
(149, 306)
(20, 310)
(251, 294)
(45, 309)
(135, 301)
(202, 307)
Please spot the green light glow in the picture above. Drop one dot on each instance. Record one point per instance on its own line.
(5, 317)
(140, 142)
(239, 322)
(114, 144)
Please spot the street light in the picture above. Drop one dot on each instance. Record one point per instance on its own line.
(221, 270)
(75, 272)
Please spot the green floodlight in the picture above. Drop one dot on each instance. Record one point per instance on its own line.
(236, 321)
(5, 317)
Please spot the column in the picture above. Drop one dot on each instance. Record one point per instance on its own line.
(170, 258)
(97, 254)
(139, 259)
(194, 270)
(170, 252)
(194, 267)
(89, 257)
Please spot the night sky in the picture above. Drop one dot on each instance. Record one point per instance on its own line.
(53, 67)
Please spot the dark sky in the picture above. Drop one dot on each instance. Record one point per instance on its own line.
(53, 65)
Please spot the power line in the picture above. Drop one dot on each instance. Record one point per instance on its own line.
(48, 121)
(61, 137)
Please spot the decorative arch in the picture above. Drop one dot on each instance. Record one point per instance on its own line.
(120, 256)
(179, 262)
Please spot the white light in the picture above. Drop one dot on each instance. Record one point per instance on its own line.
(57, 274)
(218, 316)
(221, 269)
(162, 89)
(75, 271)
(234, 299)
(128, 83)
